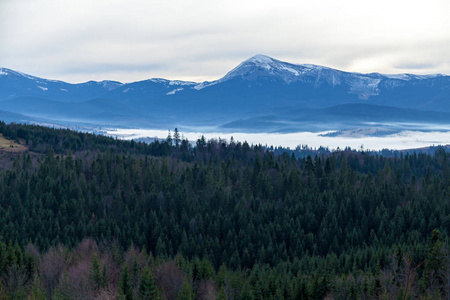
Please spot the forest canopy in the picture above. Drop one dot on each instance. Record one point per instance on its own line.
(220, 219)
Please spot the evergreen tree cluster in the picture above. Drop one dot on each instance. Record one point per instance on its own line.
(224, 219)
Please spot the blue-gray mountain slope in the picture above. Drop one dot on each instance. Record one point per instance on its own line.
(258, 95)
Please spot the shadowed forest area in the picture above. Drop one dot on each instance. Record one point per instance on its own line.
(91, 217)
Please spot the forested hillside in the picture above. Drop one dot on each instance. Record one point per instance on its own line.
(85, 216)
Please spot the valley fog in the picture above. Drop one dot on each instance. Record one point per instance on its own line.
(398, 141)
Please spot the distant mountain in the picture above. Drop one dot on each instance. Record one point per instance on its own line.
(260, 94)
(342, 117)
(15, 84)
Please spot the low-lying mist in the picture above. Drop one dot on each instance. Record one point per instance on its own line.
(406, 139)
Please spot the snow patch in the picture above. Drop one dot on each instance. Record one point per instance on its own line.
(364, 87)
(174, 91)
(42, 88)
(110, 85)
(407, 77)
(179, 82)
(64, 90)
(293, 71)
(158, 80)
(398, 76)
(335, 81)
(171, 82)
(3, 73)
(27, 76)
(126, 90)
(428, 76)
(311, 67)
(205, 84)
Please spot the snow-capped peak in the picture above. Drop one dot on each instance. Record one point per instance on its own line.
(262, 65)
(260, 59)
(39, 80)
(5, 71)
(267, 62)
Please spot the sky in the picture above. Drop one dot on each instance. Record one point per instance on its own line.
(198, 40)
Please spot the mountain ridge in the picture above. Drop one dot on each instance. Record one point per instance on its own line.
(260, 60)
(256, 86)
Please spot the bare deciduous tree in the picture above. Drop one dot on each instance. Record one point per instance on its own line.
(85, 251)
(75, 282)
(170, 278)
(54, 262)
(206, 290)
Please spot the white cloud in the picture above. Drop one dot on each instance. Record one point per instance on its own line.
(202, 40)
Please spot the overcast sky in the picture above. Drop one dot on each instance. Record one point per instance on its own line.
(199, 40)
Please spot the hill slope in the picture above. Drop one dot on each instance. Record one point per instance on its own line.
(220, 217)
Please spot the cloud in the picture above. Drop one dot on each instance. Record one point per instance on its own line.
(416, 66)
(202, 40)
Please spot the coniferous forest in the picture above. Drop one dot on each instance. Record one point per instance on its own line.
(90, 217)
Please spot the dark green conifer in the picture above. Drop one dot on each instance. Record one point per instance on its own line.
(148, 289)
(125, 287)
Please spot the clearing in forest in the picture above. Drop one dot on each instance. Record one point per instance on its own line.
(10, 145)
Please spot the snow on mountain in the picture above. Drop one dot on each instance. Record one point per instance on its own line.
(174, 91)
(364, 87)
(205, 84)
(260, 64)
(407, 77)
(258, 84)
(19, 84)
(179, 82)
(110, 85)
(276, 67)
(167, 82)
(261, 67)
(257, 69)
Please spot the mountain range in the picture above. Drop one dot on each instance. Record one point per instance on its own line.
(261, 94)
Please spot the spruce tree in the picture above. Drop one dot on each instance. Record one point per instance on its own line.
(36, 292)
(176, 137)
(186, 292)
(147, 287)
(95, 275)
(125, 288)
